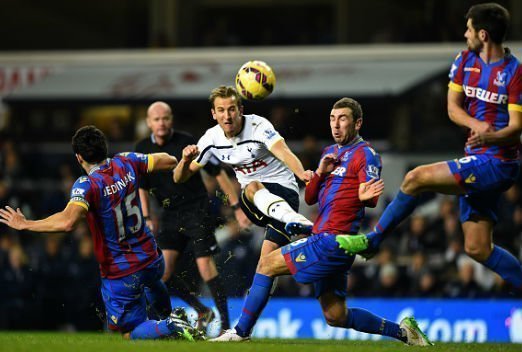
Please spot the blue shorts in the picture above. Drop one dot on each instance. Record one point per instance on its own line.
(124, 298)
(319, 260)
(275, 230)
(484, 178)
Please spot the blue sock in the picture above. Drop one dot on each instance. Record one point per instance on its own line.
(363, 320)
(153, 329)
(255, 302)
(506, 265)
(401, 206)
(158, 301)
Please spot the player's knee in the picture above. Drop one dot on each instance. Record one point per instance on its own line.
(126, 335)
(477, 252)
(335, 319)
(413, 180)
(166, 275)
(252, 188)
(263, 266)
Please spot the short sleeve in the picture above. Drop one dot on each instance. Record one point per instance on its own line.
(81, 192)
(142, 163)
(213, 167)
(456, 74)
(205, 144)
(369, 166)
(267, 134)
(515, 91)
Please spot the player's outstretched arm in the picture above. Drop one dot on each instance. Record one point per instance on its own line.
(163, 162)
(186, 168)
(281, 151)
(64, 221)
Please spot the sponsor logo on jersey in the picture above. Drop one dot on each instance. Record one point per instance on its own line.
(250, 167)
(472, 69)
(339, 171)
(372, 171)
(470, 179)
(225, 157)
(485, 95)
(500, 81)
(301, 258)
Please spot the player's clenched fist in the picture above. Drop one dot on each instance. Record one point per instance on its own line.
(190, 152)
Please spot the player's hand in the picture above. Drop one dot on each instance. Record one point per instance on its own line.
(327, 164)
(481, 127)
(306, 176)
(190, 152)
(371, 189)
(478, 139)
(12, 218)
(242, 219)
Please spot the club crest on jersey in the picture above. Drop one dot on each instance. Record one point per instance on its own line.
(372, 171)
(269, 133)
(500, 81)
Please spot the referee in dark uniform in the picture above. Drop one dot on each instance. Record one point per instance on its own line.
(186, 215)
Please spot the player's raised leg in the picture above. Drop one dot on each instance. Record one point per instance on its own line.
(435, 177)
(277, 208)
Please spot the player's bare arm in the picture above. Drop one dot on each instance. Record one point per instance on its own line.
(227, 186)
(186, 168)
(163, 162)
(144, 199)
(281, 151)
(63, 221)
(505, 136)
(371, 189)
(459, 116)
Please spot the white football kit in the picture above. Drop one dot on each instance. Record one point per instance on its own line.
(248, 152)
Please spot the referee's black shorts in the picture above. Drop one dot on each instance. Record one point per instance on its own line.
(189, 223)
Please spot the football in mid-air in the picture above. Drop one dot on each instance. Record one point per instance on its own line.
(255, 80)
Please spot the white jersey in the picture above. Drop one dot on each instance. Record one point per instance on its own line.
(248, 153)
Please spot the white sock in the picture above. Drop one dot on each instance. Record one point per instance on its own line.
(274, 206)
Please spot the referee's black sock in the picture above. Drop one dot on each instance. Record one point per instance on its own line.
(217, 290)
(180, 289)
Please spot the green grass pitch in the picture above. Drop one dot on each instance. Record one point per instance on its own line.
(101, 342)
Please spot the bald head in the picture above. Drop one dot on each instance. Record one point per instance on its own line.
(159, 120)
(159, 108)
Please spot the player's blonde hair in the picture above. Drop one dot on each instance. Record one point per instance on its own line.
(224, 92)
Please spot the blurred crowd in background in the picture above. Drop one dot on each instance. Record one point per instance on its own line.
(50, 281)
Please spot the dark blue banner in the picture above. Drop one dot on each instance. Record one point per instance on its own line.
(442, 320)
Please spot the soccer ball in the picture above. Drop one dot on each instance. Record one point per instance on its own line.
(255, 80)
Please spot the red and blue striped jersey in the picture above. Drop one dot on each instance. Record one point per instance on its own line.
(123, 244)
(340, 210)
(490, 90)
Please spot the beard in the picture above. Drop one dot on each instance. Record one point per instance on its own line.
(475, 45)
